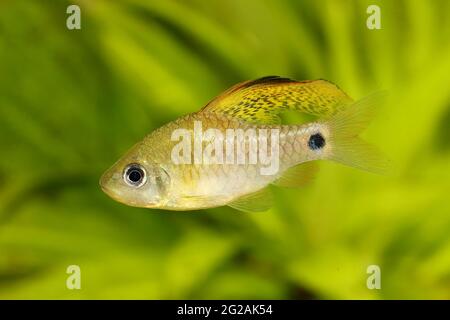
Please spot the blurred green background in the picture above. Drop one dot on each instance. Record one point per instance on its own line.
(72, 102)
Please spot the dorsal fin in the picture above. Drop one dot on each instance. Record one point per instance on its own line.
(246, 84)
(262, 100)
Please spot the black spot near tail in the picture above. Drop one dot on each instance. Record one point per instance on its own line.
(316, 141)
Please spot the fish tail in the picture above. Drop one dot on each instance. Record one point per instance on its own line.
(346, 145)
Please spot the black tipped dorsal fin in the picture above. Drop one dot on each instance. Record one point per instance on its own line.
(268, 80)
(263, 99)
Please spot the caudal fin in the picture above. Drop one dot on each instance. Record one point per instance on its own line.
(347, 147)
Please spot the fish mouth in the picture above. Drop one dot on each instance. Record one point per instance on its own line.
(108, 191)
(109, 184)
(113, 194)
(105, 185)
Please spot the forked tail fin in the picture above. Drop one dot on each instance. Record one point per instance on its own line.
(347, 147)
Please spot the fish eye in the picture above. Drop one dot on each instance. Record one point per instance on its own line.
(134, 175)
(316, 141)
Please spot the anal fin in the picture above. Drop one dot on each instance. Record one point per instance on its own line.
(298, 176)
(258, 201)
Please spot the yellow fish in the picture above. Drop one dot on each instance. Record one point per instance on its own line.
(230, 151)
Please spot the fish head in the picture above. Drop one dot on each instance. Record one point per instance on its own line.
(136, 180)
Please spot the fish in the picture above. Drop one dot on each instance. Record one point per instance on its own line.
(234, 149)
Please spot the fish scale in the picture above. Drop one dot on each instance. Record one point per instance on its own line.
(236, 178)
